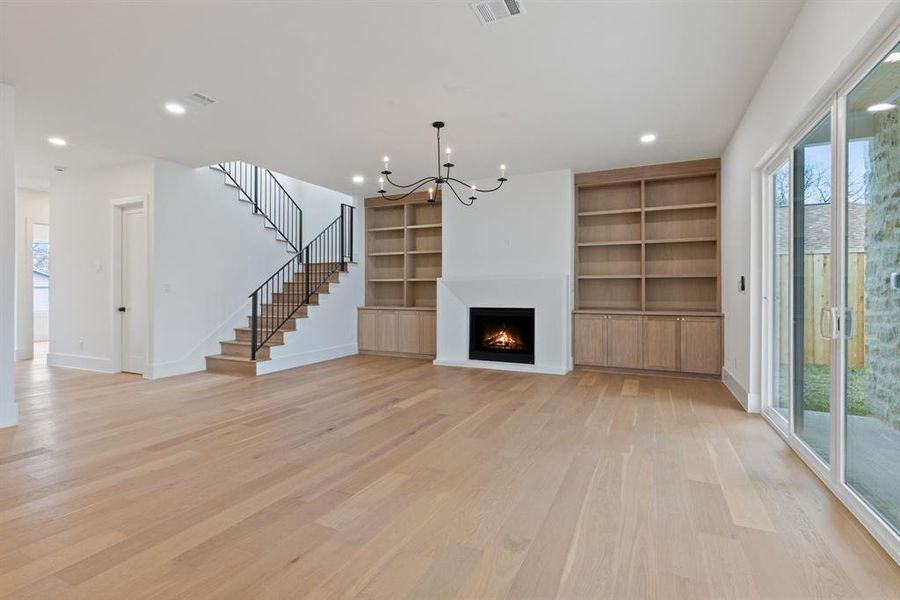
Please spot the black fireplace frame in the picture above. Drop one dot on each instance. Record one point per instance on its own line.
(525, 356)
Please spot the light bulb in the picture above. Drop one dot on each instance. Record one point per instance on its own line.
(502, 170)
(381, 183)
(431, 193)
(449, 151)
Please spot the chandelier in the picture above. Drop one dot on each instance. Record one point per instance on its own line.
(436, 182)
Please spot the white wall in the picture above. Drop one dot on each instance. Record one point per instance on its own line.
(826, 40)
(32, 206)
(513, 248)
(81, 302)
(9, 413)
(320, 205)
(209, 253)
(525, 229)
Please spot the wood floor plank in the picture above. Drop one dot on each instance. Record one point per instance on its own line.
(381, 477)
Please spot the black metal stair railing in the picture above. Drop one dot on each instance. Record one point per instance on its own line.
(269, 198)
(293, 285)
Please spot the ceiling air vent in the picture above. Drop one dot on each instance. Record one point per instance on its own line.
(200, 99)
(489, 11)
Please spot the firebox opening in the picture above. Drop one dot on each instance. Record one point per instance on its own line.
(502, 334)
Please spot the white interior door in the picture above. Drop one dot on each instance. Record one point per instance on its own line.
(134, 290)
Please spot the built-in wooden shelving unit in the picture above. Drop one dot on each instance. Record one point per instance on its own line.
(647, 238)
(403, 247)
(647, 263)
(403, 264)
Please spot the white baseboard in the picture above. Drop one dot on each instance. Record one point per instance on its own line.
(305, 358)
(750, 402)
(84, 363)
(24, 353)
(500, 366)
(9, 414)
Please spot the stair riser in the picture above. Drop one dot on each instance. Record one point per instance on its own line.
(294, 298)
(230, 367)
(243, 350)
(244, 335)
(299, 278)
(289, 325)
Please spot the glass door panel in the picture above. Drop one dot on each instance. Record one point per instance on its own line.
(872, 291)
(781, 288)
(813, 319)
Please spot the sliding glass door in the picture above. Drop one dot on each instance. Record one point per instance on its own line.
(813, 322)
(832, 296)
(872, 290)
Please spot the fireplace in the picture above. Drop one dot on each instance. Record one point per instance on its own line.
(502, 334)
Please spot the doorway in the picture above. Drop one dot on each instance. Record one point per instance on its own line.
(40, 288)
(131, 286)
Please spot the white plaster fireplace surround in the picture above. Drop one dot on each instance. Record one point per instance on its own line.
(512, 249)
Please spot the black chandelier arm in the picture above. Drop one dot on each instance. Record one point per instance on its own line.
(502, 180)
(461, 201)
(408, 194)
(414, 184)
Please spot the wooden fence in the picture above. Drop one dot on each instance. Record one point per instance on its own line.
(817, 271)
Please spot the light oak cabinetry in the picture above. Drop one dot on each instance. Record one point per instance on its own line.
(403, 263)
(607, 340)
(397, 331)
(701, 350)
(661, 343)
(690, 345)
(647, 287)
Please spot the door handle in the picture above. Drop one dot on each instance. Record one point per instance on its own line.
(849, 323)
(121, 309)
(833, 322)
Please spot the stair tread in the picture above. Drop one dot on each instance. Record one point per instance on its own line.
(243, 343)
(234, 358)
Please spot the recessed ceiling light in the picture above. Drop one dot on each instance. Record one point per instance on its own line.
(882, 106)
(892, 57)
(57, 141)
(358, 179)
(175, 108)
(648, 138)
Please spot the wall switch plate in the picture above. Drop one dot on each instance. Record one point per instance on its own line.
(895, 281)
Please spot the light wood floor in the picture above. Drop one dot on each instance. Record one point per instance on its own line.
(392, 478)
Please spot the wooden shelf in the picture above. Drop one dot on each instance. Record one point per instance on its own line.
(601, 213)
(598, 244)
(404, 250)
(647, 239)
(682, 240)
(681, 207)
(681, 276)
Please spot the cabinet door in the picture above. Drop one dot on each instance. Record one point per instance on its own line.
(408, 331)
(589, 340)
(386, 338)
(624, 341)
(368, 330)
(701, 345)
(661, 343)
(428, 332)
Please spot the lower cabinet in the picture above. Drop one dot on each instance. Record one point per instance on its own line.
(398, 331)
(651, 342)
(607, 340)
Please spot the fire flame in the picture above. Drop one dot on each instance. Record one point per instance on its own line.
(502, 340)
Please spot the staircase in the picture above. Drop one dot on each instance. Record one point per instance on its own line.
(279, 304)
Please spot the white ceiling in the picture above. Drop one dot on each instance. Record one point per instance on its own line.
(321, 90)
